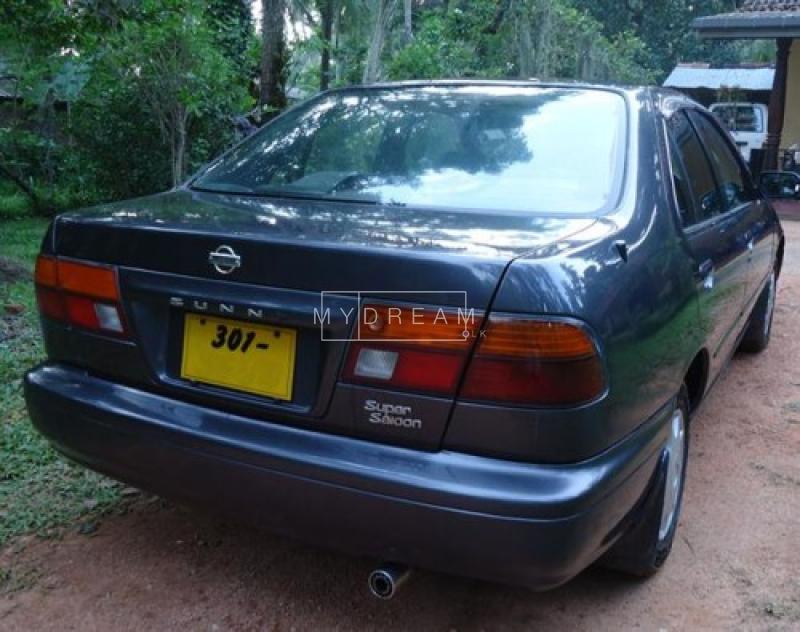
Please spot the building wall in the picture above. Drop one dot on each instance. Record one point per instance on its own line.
(791, 120)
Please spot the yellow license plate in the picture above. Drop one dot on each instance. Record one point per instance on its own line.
(239, 355)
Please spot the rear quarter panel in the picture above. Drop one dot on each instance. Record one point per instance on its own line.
(643, 311)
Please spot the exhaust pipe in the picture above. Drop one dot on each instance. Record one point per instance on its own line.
(386, 579)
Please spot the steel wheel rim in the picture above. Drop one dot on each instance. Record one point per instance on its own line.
(770, 305)
(675, 455)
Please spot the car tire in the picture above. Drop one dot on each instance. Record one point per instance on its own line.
(756, 337)
(647, 543)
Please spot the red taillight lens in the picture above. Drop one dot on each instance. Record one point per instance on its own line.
(421, 349)
(51, 303)
(517, 361)
(534, 362)
(405, 368)
(82, 294)
(80, 311)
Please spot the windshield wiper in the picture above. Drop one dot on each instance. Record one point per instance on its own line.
(309, 195)
(224, 187)
(268, 191)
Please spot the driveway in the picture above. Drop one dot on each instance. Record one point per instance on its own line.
(736, 560)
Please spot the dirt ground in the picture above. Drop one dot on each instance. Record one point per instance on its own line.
(735, 564)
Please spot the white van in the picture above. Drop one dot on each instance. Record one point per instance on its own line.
(747, 123)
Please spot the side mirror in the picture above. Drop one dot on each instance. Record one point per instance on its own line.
(780, 186)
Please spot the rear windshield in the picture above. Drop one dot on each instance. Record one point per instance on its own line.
(529, 150)
(740, 118)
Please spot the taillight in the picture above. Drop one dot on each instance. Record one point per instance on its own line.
(421, 349)
(516, 361)
(82, 294)
(534, 362)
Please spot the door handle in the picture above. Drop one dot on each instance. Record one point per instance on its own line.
(705, 272)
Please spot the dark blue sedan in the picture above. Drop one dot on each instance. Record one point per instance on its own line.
(455, 325)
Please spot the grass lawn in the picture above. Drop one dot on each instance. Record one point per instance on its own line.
(39, 491)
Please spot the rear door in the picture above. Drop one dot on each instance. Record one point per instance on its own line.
(712, 234)
(746, 215)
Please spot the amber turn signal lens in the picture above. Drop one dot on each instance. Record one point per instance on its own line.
(46, 271)
(431, 326)
(544, 339)
(89, 280)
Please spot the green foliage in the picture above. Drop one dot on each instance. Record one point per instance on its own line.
(58, 177)
(164, 91)
(434, 52)
(123, 98)
(542, 38)
(664, 25)
(13, 204)
(231, 26)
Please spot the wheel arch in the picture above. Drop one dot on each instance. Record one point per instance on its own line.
(779, 256)
(696, 378)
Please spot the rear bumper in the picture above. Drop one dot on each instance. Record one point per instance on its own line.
(535, 525)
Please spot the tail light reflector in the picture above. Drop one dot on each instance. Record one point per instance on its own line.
(534, 362)
(82, 294)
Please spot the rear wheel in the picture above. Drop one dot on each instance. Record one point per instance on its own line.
(758, 333)
(647, 544)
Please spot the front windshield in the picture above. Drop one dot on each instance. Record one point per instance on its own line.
(522, 149)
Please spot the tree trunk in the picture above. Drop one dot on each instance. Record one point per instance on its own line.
(327, 32)
(525, 50)
(337, 22)
(408, 26)
(383, 15)
(179, 147)
(273, 57)
(544, 47)
(499, 15)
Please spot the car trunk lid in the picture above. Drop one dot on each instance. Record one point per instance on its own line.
(290, 253)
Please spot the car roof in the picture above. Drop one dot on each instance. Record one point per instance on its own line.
(488, 83)
(667, 101)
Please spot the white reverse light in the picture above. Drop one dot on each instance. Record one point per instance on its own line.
(376, 364)
(108, 317)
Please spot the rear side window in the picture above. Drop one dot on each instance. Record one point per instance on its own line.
(734, 185)
(683, 193)
(740, 118)
(700, 184)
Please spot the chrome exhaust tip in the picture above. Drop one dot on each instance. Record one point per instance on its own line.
(385, 580)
